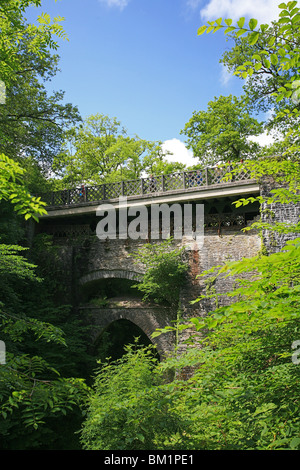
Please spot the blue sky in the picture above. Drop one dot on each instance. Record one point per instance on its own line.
(142, 61)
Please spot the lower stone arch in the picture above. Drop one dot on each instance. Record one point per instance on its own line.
(148, 319)
(121, 333)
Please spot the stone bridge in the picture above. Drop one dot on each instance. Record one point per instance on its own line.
(103, 272)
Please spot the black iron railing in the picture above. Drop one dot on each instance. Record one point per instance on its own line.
(196, 179)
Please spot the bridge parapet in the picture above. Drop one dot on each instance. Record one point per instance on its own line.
(181, 181)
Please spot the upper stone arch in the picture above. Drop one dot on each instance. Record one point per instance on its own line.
(110, 274)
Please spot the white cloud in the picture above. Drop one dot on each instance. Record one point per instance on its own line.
(180, 153)
(263, 139)
(263, 10)
(115, 3)
(226, 76)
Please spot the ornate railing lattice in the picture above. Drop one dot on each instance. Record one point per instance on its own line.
(132, 188)
(173, 181)
(196, 179)
(113, 190)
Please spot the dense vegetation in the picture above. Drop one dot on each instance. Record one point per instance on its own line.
(245, 387)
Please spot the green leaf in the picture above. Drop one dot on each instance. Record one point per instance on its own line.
(201, 30)
(271, 41)
(284, 13)
(291, 5)
(274, 59)
(253, 38)
(284, 20)
(229, 29)
(282, 52)
(216, 28)
(241, 22)
(296, 19)
(252, 24)
(141, 437)
(295, 443)
(256, 57)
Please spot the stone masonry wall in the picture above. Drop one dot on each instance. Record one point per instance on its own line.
(285, 213)
(112, 259)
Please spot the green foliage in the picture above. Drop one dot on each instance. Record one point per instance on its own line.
(36, 396)
(130, 408)
(221, 133)
(101, 151)
(33, 392)
(12, 264)
(43, 345)
(268, 57)
(14, 28)
(12, 189)
(165, 271)
(33, 121)
(243, 394)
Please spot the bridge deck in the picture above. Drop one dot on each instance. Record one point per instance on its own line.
(176, 187)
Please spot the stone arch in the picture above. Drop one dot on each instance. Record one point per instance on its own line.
(148, 319)
(111, 341)
(110, 274)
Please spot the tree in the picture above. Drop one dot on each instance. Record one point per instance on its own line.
(274, 50)
(221, 133)
(95, 151)
(32, 122)
(267, 77)
(14, 28)
(101, 151)
(32, 392)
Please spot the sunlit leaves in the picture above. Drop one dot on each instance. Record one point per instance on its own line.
(252, 24)
(12, 189)
(288, 23)
(13, 25)
(165, 271)
(275, 60)
(220, 132)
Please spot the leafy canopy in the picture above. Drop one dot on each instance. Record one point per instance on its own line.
(268, 56)
(221, 133)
